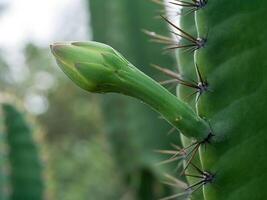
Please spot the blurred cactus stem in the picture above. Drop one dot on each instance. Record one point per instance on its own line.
(98, 68)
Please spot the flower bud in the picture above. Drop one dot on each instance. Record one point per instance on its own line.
(99, 68)
(90, 65)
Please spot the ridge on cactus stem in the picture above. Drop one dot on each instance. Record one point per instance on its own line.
(98, 68)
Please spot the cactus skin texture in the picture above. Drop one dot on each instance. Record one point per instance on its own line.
(25, 167)
(234, 63)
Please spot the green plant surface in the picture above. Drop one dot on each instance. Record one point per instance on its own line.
(98, 68)
(26, 180)
(233, 61)
(235, 65)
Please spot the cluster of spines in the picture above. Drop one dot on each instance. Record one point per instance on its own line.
(192, 44)
(191, 6)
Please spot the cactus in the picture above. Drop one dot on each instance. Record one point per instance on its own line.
(225, 128)
(3, 161)
(233, 63)
(25, 167)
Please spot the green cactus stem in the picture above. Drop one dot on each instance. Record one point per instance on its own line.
(26, 180)
(3, 161)
(233, 60)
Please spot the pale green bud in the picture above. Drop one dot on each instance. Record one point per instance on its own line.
(91, 65)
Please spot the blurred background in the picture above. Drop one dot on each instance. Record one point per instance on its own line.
(83, 146)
